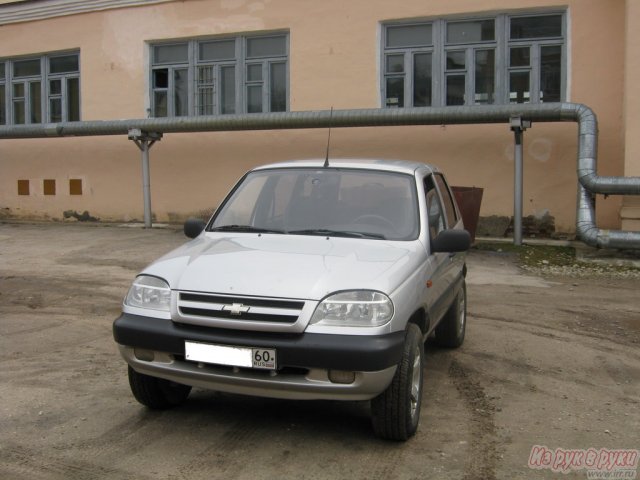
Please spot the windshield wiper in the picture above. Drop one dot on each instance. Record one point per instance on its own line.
(337, 233)
(243, 228)
(310, 231)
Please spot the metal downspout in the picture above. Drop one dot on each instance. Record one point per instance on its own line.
(589, 181)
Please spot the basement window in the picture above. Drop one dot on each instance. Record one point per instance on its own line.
(75, 186)
(49, 187)
(23, 187)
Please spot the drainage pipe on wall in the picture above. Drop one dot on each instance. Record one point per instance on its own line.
(590, 182)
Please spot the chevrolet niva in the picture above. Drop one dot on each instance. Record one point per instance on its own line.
(312, 280)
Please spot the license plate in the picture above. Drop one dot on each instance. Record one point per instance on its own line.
(263, 358)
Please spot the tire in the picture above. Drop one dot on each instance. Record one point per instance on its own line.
(451, 329)
(395, 413)
(157, 393)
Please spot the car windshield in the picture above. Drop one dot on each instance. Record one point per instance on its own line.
(328, 201)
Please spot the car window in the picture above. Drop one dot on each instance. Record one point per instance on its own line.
(240, 211)
(436, 220)
(379, 203)
(447, 202)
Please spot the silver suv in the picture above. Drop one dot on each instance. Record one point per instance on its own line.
(312, 280)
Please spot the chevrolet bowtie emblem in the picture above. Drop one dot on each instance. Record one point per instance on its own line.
(236, 309)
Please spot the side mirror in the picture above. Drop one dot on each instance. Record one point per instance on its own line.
(194, 227)
(451, 241)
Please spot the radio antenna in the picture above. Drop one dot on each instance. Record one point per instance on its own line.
(326, 158)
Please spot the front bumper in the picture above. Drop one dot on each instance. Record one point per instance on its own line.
(304, 360)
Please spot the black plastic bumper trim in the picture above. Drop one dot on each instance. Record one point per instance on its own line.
(362, 353)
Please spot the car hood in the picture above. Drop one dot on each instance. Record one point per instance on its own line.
(287, 266)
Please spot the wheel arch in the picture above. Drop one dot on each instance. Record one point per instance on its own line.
(421, 319)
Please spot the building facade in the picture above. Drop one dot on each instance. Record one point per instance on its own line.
(67, 60)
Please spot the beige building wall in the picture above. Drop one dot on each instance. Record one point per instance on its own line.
(630, 212)
(334, 62)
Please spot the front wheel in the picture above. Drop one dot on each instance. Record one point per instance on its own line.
(396, 411)
(157, 393)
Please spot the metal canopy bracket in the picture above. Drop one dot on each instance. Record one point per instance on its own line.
(144, 141)
(518, 126)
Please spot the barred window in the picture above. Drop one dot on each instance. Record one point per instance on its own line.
(494, 60)
(220, 76)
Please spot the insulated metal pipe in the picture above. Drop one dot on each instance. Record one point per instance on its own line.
(599, 237)
(589, 180)
(481, 114)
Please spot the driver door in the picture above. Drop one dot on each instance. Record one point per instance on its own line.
(439, 277)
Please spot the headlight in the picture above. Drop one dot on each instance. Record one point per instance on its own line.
(149, 292)
(358, 308)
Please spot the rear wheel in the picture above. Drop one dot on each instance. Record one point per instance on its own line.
(451, 329)
(396, 411)
(157, 393)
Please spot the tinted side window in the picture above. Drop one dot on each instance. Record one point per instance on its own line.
(449, 208)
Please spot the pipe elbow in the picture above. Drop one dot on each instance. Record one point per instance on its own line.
(589, 180)
(587, 232)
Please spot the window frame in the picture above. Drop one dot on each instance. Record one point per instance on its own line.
(240, 63)
(217, 66)
(432, 194)
(501, 45)
(536, 45)
(10, 81)
(26, 82)
(3, 93)
(409, 53)
(451, 214)
(64, 78)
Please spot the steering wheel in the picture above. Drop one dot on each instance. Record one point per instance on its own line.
(378, 220)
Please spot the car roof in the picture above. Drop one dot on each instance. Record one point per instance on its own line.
(400, 166)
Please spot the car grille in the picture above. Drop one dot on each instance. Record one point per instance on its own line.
(239, 308)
